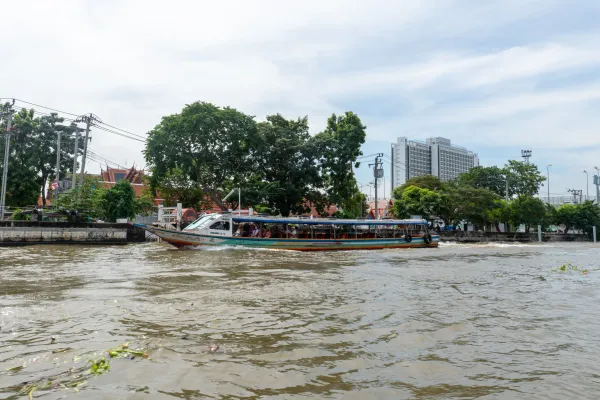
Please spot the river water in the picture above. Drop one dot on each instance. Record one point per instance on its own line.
(462, 321)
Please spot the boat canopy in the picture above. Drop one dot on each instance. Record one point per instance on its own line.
(328, 221)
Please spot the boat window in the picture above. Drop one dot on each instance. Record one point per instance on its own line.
(197, 222)
(220, 225)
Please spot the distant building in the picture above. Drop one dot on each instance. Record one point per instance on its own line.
(436, 156)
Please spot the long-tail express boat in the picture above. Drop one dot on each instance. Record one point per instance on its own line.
(298, 233)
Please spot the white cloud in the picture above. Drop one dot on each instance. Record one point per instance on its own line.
(481, 72)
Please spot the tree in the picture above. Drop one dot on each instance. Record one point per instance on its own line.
(22, 188)
(491, 178)
(144, 205)
(287, 171)
(500, 212)
(474, 205)
(86, 199)
(425, 182)
(417, 201)
(524, 179)
(119, 201)
(566, 215)
(32, 158)
(528, 211)
(176, 187)
(340, 145)
(588, 216)
(209, 144)
(578, 216)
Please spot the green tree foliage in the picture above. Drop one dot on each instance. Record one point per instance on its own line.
(528, 211)
(209, 144)
(144, 205)
(287, 170)
(340, 144)
(474, 204)
(524, 179)
(500, 212)
(491, 178)
(32, 159)
(176, 187)
(578, 216)
(87, 199)
(22, 186)
(417, 201)
(424, 182)
(119, 201)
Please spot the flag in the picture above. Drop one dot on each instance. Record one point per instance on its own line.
(54, 185)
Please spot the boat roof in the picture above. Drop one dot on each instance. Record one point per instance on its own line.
(326, 221)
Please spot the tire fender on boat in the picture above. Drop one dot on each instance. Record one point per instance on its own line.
(427, 238)
(408, 238)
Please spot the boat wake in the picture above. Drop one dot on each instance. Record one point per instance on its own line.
(492, 245)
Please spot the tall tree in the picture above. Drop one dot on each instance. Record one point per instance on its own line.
(340, 143)
(528, 211)
(209, 144)
(176, 187)
(491, 178)
(22, 187)
(424, 182)
(524, 179)
(32, 159)
(417, 201)
(287, 171)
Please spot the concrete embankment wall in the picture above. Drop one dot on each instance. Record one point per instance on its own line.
(15, 233)
(522, 237)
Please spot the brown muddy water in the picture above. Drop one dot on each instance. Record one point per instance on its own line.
(458, 322)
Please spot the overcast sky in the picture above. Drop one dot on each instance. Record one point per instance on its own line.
(493, 76)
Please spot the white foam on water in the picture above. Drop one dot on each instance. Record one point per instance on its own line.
(500, 245)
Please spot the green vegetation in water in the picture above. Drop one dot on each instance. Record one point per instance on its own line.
(100, 366)
(124, 351)
(75, 378)
(568, 267)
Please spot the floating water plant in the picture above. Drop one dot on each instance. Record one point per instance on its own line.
(568, 267)
(100, 366)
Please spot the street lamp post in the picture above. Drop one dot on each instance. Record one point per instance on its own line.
(597, 186)
(587, 185)
(548, 180)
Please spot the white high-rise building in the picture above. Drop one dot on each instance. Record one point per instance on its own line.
(436, 156)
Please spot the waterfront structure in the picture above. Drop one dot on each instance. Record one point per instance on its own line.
(436, 156)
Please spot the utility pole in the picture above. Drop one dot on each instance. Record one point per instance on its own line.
(74, 178)
(597, 183)
(377, 173)
(6, 112)
(576, 192)
(88, 119)
(57, 168)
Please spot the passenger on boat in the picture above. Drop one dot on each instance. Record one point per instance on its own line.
(293, 233)
(255, 231)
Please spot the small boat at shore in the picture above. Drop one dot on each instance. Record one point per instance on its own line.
(298, 233)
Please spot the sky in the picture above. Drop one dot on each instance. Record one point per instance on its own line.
(493, 76)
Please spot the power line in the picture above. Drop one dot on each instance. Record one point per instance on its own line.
(123, 130)
(48, 108)
(126, 134)
(119, 133)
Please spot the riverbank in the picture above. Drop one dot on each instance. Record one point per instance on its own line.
(519, 237)
(20, 233)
